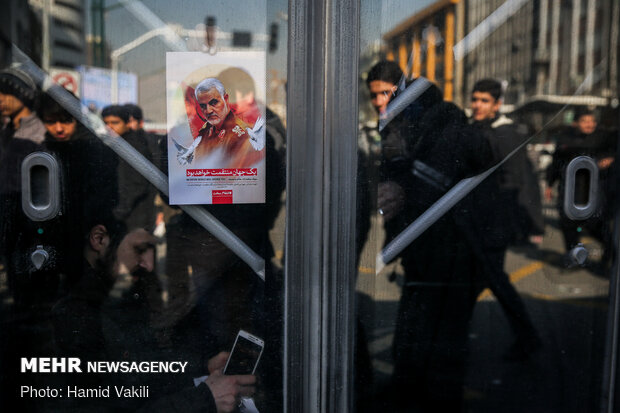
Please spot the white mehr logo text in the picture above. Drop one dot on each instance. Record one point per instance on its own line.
(51, 365)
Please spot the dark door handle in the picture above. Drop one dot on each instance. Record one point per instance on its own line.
(580, 205)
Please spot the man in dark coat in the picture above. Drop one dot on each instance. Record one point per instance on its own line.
(21, 135)
(136, 205)
(86, 164)
(517, 180)
(427, 148)
(518, 199)
(94, 325)
(153, 140)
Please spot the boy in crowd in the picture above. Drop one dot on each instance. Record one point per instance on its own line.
(518, 198)
(136, 195)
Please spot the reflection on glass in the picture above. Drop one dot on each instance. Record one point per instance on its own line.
(480, 276)
(130, 293)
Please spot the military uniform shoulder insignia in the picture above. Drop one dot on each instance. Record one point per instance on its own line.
(237, 129)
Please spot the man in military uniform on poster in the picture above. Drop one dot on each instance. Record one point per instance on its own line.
(223, 131)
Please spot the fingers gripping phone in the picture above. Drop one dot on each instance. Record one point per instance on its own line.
(244, 355)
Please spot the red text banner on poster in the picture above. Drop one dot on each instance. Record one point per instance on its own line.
(222, 172)
(221, 196)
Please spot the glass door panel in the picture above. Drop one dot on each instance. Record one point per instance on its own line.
(484, 278)
(143, 168)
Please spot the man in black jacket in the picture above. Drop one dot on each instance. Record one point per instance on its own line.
(519, 199)
(86, 164)
(426, 149)
(136, 195)
(94, 324)
(517, 180)
(153, 140)
(21, 135)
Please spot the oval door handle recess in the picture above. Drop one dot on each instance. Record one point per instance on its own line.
(572, 209)
(41, 190)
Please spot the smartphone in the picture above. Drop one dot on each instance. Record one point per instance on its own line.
(244, 355)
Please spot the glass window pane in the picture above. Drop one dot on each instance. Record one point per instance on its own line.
(484, 278)
(118, 291)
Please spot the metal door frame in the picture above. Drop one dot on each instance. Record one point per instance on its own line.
(323, 62)
(612, 337)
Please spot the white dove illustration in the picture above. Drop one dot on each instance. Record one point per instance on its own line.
(257, 134)
(185, 156)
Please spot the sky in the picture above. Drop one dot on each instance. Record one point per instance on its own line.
(377, 17)
(256, 16)
(380, 16)
(231, 15)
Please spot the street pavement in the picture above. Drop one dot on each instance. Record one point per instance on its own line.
(567, 306)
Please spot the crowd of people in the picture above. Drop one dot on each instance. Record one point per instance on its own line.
(427, 147)
(95, 295)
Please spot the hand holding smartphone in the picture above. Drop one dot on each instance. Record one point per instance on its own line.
(244, 355)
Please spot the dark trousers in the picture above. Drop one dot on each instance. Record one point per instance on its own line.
(506, 294)
(430, 345)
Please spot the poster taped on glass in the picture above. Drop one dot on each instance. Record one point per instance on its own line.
(216, 127)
